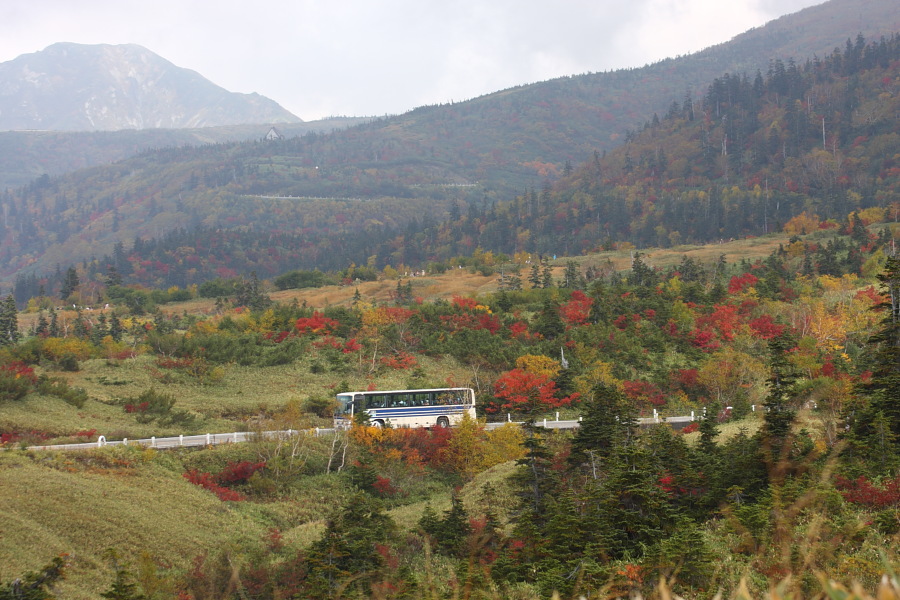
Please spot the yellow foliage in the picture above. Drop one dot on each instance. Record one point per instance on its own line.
(539, 365)
(503, 444)
(367, 435)
(875, 214)
(600, 372)
(206, 327)
(56, 348)
(802, 224)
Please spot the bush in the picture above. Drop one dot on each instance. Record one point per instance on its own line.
(16, 380)
(68, 363)
(321, 407)
(60, 389)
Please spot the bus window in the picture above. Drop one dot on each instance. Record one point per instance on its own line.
(422, 399)
(377, 401)
(401, 400)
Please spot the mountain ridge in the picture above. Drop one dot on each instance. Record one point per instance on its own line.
(105, 87)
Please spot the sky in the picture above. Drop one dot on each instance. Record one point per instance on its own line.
(321, 58)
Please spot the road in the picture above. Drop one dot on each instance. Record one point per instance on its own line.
(213, 439)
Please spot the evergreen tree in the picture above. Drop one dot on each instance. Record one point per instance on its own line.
(54, 325)
(249, 293)
(546, 276)
(70, 283)
(548, 322)
(875, 425)
(9, 322)
(116, 330)
(607, 422)
(348, 551)
(535, 277)
(780, 411)
(43, 327)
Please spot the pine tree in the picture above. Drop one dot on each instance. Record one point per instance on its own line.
(548, 322)
(535, 278)
(606, 418)
(116, 330)
(9, 322)
(54, 325)
(780, 412)
(70, 283)
(874, 427)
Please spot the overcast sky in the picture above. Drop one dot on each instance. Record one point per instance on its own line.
(321, 58)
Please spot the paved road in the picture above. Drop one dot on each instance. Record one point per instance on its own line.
(213, 439)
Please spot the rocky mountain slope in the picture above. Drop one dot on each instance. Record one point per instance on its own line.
(77, 87)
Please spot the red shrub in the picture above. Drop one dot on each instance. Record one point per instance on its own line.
(317, 324)
(239, 472)
(862, 491)
(207, 482)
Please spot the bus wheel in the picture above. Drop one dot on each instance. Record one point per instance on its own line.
(378, 423)
(443, 422)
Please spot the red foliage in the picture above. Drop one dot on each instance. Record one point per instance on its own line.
(137, 408)
(207, 482)
(705, 340)
(527, 392)
(13, 437)
(621, 322)
(317, 324)
(862, 491)
(766, 328)
(724, 320)
(871, 294)
(399, 360)
(384, 487)
(351, 345)
(644, 391)
(577, 310)
(18, 370)
(519, 329)
(239, 472)
(489, 322)
(691, 428)
(737, 284)
(464, 303)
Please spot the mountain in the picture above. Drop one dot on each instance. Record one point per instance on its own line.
(373, 192)
(76, 87)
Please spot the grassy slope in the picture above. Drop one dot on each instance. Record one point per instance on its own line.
(82, 505)
(137, 501)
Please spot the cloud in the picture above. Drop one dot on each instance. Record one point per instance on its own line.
(358, 57)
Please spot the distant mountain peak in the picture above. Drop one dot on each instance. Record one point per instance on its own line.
(80, 87)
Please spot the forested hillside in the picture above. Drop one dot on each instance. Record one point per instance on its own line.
(472, 154)
(787, 359)
(745, 158)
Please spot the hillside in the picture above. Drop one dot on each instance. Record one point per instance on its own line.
(108, 87)
(381, 189)
(742, 160)
(27, 155)
(606, 337)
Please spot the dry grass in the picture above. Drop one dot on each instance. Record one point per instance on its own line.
(82, 506)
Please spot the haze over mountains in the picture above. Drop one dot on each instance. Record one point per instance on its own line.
(77, 87)
(363, 184)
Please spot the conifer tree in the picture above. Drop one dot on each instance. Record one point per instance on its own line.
(606, 420)
(874, 427)
(9, 322)
(780, 412)
(54, 325)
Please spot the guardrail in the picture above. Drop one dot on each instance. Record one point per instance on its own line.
(186, 441)
(214, 439)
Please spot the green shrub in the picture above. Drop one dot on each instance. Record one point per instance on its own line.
(60, 389)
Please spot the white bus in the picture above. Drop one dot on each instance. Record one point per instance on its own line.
(441, 407)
